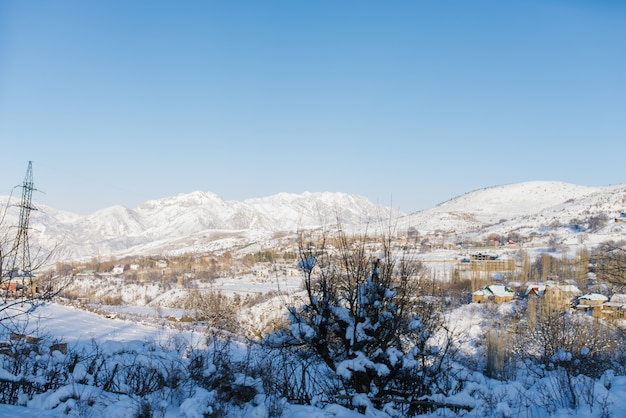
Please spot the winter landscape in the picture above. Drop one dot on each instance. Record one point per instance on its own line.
(503, 302)
(312, 209)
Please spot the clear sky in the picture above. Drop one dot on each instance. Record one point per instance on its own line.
(408, 103)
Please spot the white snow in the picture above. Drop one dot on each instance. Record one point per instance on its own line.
(80, 328)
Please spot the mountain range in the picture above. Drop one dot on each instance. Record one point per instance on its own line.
(202, 221)
(195, 221)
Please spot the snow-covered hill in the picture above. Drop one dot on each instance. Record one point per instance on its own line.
(521, 207)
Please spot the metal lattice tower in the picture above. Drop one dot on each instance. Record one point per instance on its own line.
(19, 263)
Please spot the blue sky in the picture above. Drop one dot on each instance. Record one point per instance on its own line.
(408, 103)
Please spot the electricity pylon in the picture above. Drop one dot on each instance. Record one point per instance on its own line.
(19, 262)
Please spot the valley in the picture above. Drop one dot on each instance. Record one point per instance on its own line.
(492, 272)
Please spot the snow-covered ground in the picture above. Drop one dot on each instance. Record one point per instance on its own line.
(81, 329)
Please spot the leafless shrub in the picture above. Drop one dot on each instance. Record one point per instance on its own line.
(212, 307)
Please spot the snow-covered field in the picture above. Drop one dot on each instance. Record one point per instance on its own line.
(78, 327)
(84, 330)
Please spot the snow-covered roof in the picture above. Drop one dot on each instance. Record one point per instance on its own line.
(499, 290)
(539, 289)
(569, 288)
(618, 298)
(594, 296)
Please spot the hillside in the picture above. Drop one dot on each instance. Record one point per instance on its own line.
(522, 207)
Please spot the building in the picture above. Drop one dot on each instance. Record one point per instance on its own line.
(496, 293)
(484, 262)
(592, 302)
(615, 308)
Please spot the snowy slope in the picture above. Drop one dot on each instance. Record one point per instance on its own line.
(530, 205)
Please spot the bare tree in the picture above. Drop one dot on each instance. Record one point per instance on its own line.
(213, 307)
(609, 260)
(559, 346)
(22, 288)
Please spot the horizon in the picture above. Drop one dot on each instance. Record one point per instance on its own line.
(408, 104)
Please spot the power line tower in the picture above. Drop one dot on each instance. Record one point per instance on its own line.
(19, 263)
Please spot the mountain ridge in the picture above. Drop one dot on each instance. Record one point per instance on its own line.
(177, 222)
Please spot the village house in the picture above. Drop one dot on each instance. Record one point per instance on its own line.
(13, 287)
(496, 293)
(615, 308)
(591, 302)
(561, 296)
(535, 289)
(621, 218)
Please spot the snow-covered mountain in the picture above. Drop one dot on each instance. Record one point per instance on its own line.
(189, 222)
(201, 221)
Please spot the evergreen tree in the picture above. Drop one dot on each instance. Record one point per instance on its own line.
(366, 320)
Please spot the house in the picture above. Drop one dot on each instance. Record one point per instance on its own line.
(495, 292)
(535, 290)
(592, 299)
(557, 295)
(481, 296)
(561, 295)
(615, 308)
(590, 302)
